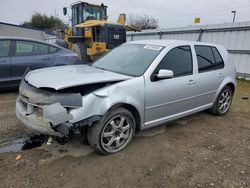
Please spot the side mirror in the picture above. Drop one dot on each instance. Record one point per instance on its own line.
(64, 11)
(164, 74)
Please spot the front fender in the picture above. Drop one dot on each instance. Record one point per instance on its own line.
(130, 92)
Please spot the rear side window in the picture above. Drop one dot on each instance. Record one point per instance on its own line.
(4, 48)
(179, 60)
(208, 58)
(26, 48)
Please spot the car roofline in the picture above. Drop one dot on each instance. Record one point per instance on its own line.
(165, 43)
(31, 40)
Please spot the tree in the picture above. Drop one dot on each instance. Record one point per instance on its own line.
(44, 22)
(143, 22)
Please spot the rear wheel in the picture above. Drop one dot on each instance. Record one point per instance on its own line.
(113, 133)
(223, 102)
(81, 50)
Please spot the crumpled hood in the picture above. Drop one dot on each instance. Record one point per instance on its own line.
(69, 76)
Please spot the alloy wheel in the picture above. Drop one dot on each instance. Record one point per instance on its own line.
(224, 101)
(116, 134)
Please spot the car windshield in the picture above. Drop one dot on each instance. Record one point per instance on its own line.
(129, 59)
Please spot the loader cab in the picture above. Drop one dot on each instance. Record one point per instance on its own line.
(82, 12)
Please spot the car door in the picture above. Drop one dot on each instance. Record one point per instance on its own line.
(170, 98)
(5, 75)
(210, 74)
(29, 54)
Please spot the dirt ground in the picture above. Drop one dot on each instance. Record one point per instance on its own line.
(197, 151)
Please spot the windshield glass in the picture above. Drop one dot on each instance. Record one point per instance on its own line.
(92, 13)
(129, 59)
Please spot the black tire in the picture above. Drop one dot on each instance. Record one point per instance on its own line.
(81, 50)
(97, 131)
(217, 109)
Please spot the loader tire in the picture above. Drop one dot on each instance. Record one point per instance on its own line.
(81, 50)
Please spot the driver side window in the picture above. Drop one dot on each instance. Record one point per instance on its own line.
(179, 60)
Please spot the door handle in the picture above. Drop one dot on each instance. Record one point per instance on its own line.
(191, 82)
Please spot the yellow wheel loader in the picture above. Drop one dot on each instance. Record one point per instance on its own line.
(90, 34)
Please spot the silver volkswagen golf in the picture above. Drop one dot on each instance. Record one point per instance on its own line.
(136, 86)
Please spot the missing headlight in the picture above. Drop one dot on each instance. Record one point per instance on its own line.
(38, 111)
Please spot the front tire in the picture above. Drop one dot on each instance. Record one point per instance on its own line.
(223, 102)
(113, 133)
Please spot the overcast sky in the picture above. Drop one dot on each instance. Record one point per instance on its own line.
(170, 13)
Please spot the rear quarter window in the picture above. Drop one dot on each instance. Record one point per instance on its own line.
(53, 49)
(218, 59)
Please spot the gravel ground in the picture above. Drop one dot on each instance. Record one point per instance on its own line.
(197, 151)
(9, 124)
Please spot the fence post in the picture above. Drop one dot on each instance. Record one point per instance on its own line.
(160, 33)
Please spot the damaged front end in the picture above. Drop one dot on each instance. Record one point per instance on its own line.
(45, 112)
(70, 102)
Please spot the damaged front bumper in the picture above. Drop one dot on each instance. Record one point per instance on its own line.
(42, 111)
(40, 124)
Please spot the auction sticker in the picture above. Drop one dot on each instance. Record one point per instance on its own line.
(153, 47)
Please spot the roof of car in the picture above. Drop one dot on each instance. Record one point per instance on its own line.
(161, 42)
(34, 40)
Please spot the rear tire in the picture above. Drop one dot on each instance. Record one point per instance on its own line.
(223, 102)
(113, 133)
(81, 50)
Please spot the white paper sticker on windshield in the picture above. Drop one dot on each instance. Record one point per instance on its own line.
(152, 47)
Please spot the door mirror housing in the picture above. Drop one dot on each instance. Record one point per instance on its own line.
(64, 11)
(164, 74)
